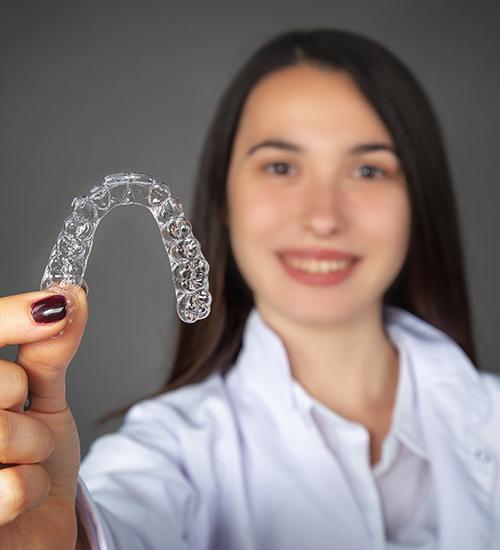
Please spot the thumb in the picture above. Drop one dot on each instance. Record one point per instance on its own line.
(46, 361)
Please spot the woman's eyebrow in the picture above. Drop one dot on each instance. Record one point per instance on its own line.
(275, 144)
(373, 146)
(288, 146)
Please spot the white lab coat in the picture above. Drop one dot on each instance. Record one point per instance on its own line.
(139, 490)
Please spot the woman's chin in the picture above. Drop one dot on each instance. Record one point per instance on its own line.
(314, 312)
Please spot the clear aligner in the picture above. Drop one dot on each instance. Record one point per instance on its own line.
(68, 259)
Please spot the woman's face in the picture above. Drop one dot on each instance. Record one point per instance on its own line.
(312, 192)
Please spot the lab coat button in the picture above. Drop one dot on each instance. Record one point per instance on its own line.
(482, 455)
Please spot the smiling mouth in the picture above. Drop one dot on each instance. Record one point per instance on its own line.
(310, 265)
(318, 272)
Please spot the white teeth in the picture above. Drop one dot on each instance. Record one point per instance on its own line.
(317, 266)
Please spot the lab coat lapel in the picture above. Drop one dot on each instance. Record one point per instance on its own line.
(454, 405)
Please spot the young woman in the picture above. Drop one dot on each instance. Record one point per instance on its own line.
(332, 399)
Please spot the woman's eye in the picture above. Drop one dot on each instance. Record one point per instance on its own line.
(368, 171)
(280, 168)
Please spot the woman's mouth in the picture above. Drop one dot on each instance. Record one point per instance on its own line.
(318, 271)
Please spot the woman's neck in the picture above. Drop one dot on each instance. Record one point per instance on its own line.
(351, 368)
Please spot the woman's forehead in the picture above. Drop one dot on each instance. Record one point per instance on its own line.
(314, 106)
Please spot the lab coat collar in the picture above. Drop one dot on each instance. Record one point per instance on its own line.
(453, 405)
(438, 365)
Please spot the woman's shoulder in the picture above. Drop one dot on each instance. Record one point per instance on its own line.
(194, 405)
(491, 381)
(490, 425)
(163, 425)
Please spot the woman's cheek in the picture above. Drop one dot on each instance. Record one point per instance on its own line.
(264, 215)
(385, 216)
(391, 231)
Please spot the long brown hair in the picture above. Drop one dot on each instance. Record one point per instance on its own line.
(432, 282)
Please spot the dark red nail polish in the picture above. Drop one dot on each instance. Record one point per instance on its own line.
(50, 309)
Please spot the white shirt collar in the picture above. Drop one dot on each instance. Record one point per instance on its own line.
(263, 368)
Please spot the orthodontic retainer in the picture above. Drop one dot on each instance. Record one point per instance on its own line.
(68, 259)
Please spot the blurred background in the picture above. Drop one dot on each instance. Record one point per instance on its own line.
(92, 88)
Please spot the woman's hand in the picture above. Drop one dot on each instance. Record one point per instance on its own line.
(39, 447)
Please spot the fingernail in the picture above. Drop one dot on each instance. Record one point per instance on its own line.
(27, 404)
(49, 309)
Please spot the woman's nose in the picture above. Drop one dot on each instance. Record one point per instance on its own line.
(323, 212)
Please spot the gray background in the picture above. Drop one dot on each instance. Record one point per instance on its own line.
(92, 88)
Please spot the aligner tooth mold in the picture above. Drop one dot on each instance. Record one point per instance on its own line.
(68, 258)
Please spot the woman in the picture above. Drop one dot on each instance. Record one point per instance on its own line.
(332, 397)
